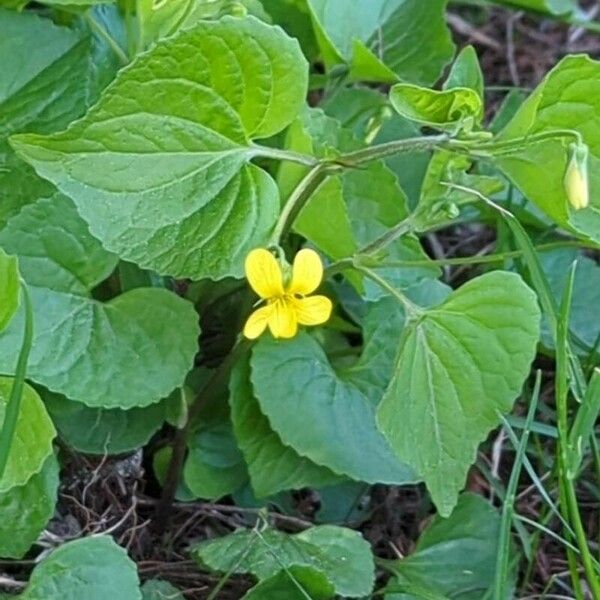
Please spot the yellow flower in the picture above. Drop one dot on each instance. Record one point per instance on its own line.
(287, 304)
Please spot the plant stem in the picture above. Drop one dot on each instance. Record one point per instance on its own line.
(412, 310)
(299, 197)
(366, 155)
(101, 31)
(286, 155)
(387, 238)
(175, 468)
(13, 407)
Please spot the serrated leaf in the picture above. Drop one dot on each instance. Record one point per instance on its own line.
(95, 568)
(381, 40)
(26, 510)
(341, 554)
(166, 184)
(32, 442)
(101, 431)
(538, 168)
(131, 351)
(10, 288)
(454, 557)
(458, 366)
(273, 467)
(282, 587)
(294, 382)
(448, 110)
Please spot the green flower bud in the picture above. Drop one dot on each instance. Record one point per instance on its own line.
(576, 177)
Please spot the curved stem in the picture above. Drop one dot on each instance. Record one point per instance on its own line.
(101, 31)
(299, 197)
(14, 402)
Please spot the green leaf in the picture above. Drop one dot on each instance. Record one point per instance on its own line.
(26, 510)
(166, 184)
(457, 366)
(94, 568)
(553, 7)
(341, 554)
(282, 587)
(131, 351)
(294, 382)
(584, 321)
(101, 431)
(466, 72)
(32, 442)
(455, 557)
(273, 466)
(449, 110)
(381, 40)
(10, 288)
(214, 466)
(538, 168)
(155, 589)
(64, 61)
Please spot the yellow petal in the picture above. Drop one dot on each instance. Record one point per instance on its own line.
(282, 321)
(257, 322)
(264, 273)
(307, 272)
(313, 310)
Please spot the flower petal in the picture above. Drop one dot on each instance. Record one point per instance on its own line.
(257, 322)
(264, 273)
(313, 310)
(307, 272)
(282, 321)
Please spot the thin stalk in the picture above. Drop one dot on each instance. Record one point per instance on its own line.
(568, 494)
(112, 43)
(508, 507)
(388, 237)
(13, 407)
(175, 468)
(286, 155)
(411, 308)
(366, 155)
(299, 197)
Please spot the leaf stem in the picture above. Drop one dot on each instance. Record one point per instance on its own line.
(14, 402)
(387, 238)
(299, 197)
(286, 155)
(175, 468)
(112, 43)
(412, 310)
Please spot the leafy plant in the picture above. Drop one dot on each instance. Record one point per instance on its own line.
(216, 231)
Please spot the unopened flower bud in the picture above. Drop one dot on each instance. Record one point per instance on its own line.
(576, 177)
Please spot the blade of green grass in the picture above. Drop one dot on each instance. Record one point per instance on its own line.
(13, 407)
(504, 538)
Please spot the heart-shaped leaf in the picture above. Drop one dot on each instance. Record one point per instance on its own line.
(273, 466)
(94, 568)
(295, 383)
(459, 365)
(26, 510)
(131, 351)
(159, 168)
(341, 554)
